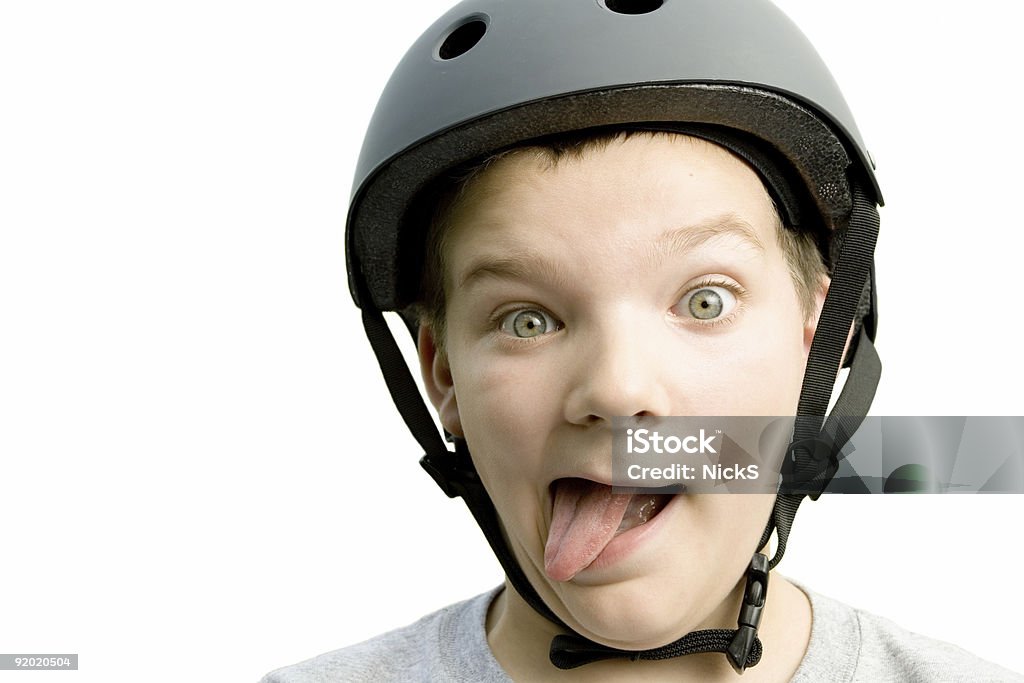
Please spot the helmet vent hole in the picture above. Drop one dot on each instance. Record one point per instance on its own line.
(462, 39)
(633, 6)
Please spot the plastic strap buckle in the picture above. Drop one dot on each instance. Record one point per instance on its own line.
(750, 614)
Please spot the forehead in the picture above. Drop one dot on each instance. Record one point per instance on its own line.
(614, 202)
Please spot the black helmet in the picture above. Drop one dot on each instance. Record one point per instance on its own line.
(494, 74)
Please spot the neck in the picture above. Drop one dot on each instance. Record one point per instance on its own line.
(520, 639)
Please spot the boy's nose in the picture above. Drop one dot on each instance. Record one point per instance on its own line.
(618, 372)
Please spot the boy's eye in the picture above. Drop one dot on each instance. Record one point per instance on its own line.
(528, 323)
(707, 303)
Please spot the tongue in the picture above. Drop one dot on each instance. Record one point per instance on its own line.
(584, 519)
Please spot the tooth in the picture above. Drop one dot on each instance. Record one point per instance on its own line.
(646, 510)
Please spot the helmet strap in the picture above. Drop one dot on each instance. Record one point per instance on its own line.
(813, 455)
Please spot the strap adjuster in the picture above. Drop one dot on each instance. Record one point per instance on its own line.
(453, 472)
(809, 475)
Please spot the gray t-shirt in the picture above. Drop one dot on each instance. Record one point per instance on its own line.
(451, 645)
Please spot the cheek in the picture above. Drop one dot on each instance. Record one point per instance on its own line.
(732, 524)
(506, 408)
(759, 368)
(740, 518)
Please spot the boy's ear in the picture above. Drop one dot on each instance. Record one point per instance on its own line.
(812, 322)
(437, 379)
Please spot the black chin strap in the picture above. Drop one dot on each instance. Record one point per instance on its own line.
(812, 457)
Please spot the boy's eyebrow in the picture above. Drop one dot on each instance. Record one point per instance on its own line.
(681, 240)
(528, 263)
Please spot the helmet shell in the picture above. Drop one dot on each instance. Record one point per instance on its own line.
(491, 74)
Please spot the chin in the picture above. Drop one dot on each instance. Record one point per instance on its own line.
(635, 615)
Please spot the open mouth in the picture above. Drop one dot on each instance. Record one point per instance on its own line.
(586, 516)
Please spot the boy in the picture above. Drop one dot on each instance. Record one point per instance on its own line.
(650, 239)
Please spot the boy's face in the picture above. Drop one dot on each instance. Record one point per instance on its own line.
(643, 279)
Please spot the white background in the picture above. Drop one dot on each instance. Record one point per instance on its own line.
(189, 411)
